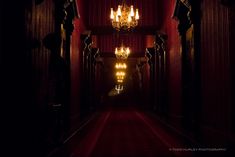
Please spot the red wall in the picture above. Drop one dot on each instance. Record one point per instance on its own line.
(99, 12)
(169, 27)
(107, 43)
(75, 58)
(215, 111)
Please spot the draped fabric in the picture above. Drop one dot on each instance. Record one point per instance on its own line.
(98, 18)
(99, 12)
(107, 43)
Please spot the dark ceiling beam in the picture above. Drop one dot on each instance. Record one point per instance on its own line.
(105, 30)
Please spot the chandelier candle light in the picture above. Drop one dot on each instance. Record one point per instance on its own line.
(124, 18)
(122, 52)
(120, 65)
(118, 88)
(120, 75)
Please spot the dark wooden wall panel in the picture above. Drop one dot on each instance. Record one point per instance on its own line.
(146, 84)
(39, 23)
(75, 67)
(215, 64)
(40, 20)
(232, 61)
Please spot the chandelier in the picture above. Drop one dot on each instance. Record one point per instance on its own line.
(120, 65)
(120, 71)
(120, 75)
(124, 18)
(118, 88)
(122, 52)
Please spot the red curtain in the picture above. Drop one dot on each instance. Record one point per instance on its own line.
(136, 42)
(99, 12)
(98, 17)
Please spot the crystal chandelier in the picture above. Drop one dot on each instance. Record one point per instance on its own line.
(122, 52)
(120, 71)
(124, 18)
(120, 65)
(120, 75)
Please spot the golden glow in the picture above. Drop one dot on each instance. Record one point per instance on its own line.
(111, 14)
(137, 15)
(120, 75)
(119, 88)
(125, 17)
(120, 72)
(120, 66)
(122, 52)
(120, 81)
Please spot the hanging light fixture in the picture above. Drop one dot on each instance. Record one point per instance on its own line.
(120, 65)
(122, 52)
(120, 72)
(118, 88)
(120, 75)
(124, 18)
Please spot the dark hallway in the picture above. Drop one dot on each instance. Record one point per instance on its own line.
(81, 79)
(125, 131)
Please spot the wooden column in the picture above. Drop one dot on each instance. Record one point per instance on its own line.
(94, 56)
(231, 5)
(161, 86)
(151, 57)
(156, 57)
(99, 81)
(232, 55)
(86, 38)
(187, 13)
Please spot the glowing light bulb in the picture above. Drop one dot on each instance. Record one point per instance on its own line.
(132, 11)
(129, 18)
(137, 17)
(117, 18)
(119, 13)
(111, 14)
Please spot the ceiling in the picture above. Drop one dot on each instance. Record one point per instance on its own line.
(99, 11)
(107, 38)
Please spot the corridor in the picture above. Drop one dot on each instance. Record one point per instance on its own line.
(118, 78)
(125, 132)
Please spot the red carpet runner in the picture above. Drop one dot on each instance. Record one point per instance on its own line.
(126, 133)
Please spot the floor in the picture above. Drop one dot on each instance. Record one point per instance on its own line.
(123, 132)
